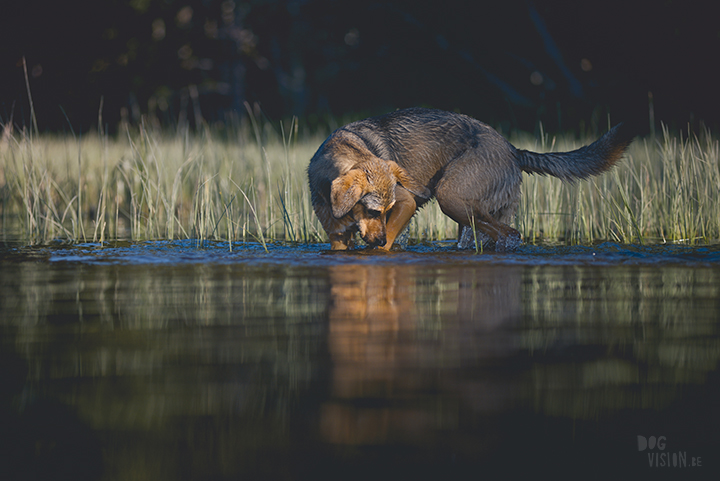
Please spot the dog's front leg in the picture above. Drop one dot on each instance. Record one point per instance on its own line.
(400, 215)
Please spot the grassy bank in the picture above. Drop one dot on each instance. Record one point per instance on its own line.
(251, 185)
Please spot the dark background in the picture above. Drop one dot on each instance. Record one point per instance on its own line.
(512, 63)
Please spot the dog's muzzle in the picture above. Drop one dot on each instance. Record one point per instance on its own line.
(375, 241)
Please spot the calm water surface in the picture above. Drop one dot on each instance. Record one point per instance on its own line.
(169, 360)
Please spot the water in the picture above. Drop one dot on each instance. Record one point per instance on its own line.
(170, 360)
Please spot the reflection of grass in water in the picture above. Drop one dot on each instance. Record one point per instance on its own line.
(250, 184)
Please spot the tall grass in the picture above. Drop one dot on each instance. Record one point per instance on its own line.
(665, 190)
(250, 184)
(145, 184)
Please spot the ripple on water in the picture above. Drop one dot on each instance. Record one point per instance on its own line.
(214, 252)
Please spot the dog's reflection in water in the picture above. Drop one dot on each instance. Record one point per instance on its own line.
(372, 319)
(397, 355)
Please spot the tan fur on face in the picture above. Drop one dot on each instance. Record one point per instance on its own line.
(346, 191)
(367, 191)
(372, 229)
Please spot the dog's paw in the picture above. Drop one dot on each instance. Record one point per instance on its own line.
(467, 239)
(508, 243)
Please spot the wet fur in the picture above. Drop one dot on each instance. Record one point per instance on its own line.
(372, 175)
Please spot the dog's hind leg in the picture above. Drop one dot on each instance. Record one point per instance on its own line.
(467, 238)
(400, 215)
(503, 236)
(506, 238)
(480, 193)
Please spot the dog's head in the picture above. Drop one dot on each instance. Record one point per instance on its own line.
(367, 193)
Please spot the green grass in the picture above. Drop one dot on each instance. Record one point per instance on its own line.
(250, 184)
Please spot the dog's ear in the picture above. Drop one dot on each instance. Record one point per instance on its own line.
(346, 191)
(407, 182)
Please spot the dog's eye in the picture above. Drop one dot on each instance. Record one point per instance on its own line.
(373, 213)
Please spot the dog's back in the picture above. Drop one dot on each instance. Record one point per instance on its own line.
(424, 141)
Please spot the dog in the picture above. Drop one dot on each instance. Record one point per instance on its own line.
(372, 175)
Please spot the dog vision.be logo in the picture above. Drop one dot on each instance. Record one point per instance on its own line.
(659, 458)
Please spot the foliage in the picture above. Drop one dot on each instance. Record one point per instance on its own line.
(250, 183)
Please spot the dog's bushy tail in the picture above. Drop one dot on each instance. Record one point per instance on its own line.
(590, 160)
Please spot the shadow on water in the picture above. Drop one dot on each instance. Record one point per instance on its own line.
(169, 360)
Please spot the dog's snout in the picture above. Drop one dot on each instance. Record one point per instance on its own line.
(380, 240)
(376, 240)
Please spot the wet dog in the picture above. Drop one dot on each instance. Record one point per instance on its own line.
(372, 175)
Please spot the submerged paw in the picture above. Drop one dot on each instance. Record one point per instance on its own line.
(508, 243)
(467, 239)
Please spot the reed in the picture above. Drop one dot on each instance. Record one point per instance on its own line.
(665, 190)
(249, 184)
